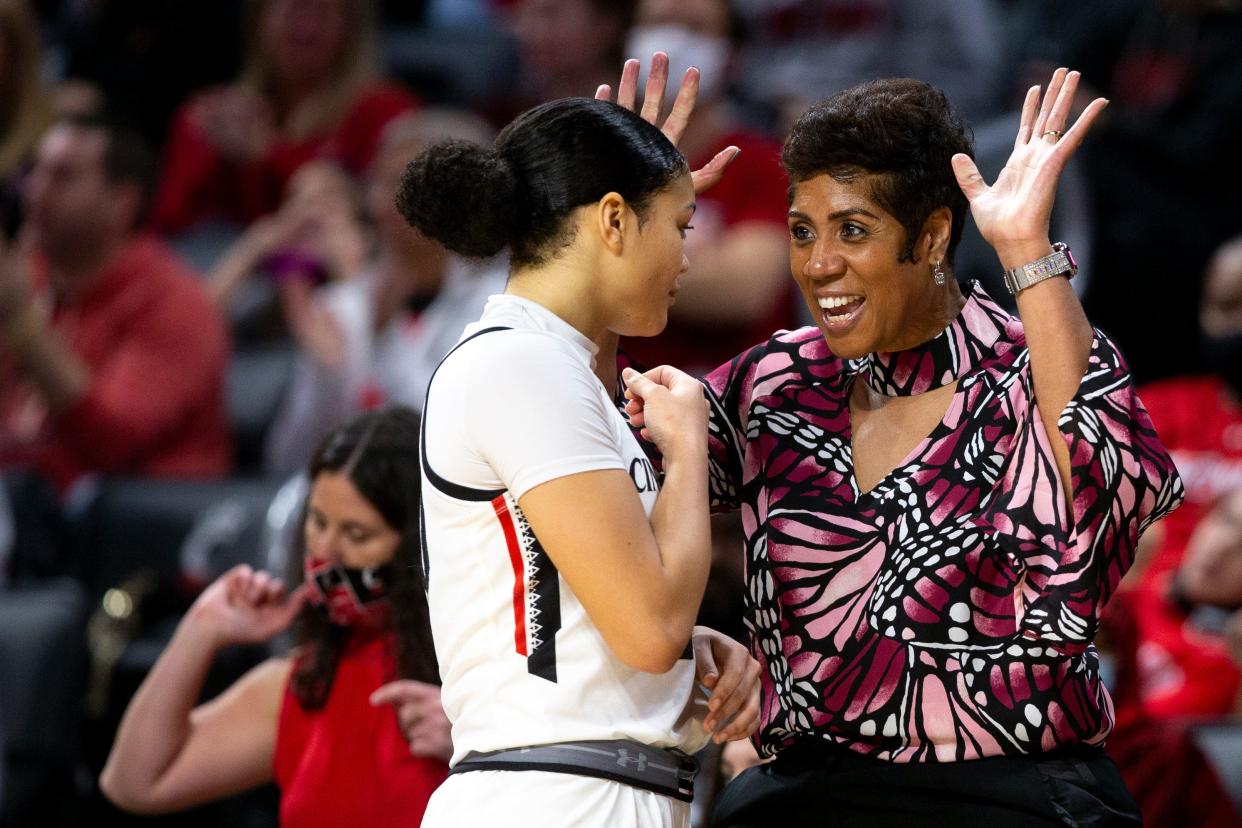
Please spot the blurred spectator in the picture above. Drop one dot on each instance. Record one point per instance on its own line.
(737, 290)
(1173, 669)
(387, 328)
(318, 235)
(349, 724)
(1181, 661)
(567, 47)
(805, 50)
(1162, 161)
(1199, 417)
(111, 356)
(23, 105)
(309, 90)
(143, 58)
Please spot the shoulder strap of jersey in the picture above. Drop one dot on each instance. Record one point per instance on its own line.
(453, 490)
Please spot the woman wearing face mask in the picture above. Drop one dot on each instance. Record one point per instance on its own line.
(736, 290)
(563, 578)
(309, 721)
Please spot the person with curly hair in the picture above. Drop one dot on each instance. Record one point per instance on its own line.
(938, 497)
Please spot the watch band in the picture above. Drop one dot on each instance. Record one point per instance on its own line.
(1060, 262)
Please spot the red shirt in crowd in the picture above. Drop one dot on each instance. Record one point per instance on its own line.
(348, 763)
(1202, 429)
(198, 183)
(1171, 672)
(753, 190)
(1170, 662)
(156, 349)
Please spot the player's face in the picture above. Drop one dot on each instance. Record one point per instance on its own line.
(343, 526)
(656, 261)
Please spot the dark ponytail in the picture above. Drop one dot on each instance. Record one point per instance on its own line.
(519, 193)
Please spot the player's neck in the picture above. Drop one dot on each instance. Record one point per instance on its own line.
(560, 287)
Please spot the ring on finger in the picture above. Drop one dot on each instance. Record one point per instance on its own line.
(1055, 133)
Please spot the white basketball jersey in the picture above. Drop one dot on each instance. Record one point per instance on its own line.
(517, 404)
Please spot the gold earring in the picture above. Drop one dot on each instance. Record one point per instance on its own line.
(937, 273)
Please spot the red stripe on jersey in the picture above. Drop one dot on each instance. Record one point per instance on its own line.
(519, 572)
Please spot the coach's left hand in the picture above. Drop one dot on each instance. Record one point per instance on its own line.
(726, 668)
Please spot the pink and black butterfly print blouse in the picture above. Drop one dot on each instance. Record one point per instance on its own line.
(946, 614)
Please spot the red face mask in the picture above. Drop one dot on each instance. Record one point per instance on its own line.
(351, 597)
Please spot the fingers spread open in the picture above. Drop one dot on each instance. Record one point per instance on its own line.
(1030, 106)
(708, 176)
(657, 82)
(1059, 115)
(1045, 108)
(627, 90)
(968, 176)
(683, 105)
(1075, 135)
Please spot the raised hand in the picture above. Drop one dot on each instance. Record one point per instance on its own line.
(1014, 211)
(675, 124)
(245, 606)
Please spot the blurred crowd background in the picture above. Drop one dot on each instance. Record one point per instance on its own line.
(202, 271)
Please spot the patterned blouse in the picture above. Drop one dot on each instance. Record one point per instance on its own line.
(946, 614)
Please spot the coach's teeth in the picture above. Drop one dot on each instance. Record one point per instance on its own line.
(827, 302)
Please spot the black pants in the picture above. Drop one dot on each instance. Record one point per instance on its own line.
(822, 785)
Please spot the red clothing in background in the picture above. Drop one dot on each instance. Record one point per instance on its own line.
(347, 764)
(753, 190)
(1168, 664)
(1202, 429)
(199, 184)
(1170, 674)
(156, 349)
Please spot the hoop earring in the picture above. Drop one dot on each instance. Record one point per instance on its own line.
(937, 274)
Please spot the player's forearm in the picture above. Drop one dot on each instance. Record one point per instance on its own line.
(682, 531)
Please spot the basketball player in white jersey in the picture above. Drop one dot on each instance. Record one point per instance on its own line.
(563, 578)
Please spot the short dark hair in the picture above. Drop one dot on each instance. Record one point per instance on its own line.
(549, 161)
(902, 132)
(378, 451)
(128, 157)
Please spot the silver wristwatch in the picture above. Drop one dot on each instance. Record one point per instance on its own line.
(1060, 262)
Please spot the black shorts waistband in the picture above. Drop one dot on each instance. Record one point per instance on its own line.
(665, 771)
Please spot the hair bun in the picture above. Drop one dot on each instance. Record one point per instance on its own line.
(463, 196)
